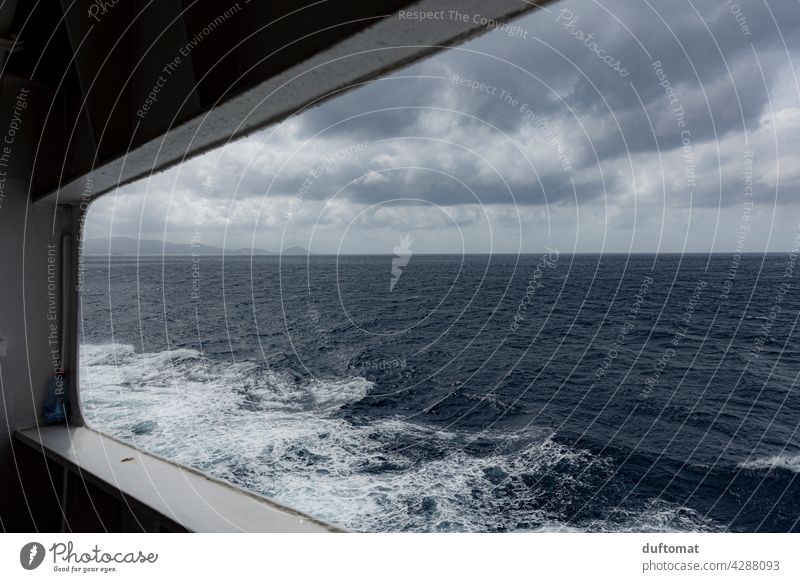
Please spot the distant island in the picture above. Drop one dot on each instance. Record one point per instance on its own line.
(127, 246)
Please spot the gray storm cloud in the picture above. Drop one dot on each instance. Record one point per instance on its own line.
(516, 135)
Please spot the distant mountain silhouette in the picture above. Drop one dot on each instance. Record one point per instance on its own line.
(295, 251)
(127, 246)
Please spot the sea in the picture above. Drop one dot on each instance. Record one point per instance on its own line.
(437, 393)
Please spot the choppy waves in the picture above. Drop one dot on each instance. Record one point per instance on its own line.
(287, 439)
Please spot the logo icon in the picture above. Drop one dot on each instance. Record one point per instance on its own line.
(402, 256)
(31, 555)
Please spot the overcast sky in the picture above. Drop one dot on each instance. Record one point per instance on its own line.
(578, 142)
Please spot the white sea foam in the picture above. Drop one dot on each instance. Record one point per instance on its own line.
(285, 438)
(783, 461)
(657, 516)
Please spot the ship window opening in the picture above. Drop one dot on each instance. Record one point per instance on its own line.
(517, 267)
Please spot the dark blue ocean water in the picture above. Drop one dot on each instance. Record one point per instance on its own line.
(480, 393)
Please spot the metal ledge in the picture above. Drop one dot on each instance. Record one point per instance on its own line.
(191, 499)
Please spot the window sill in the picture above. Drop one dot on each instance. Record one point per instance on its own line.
(191, 499)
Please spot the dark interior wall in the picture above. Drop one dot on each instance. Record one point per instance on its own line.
(50, 497)
(30, 276)
(24, 324)
(31, 495)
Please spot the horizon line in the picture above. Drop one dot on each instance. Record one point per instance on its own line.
(328, 254)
